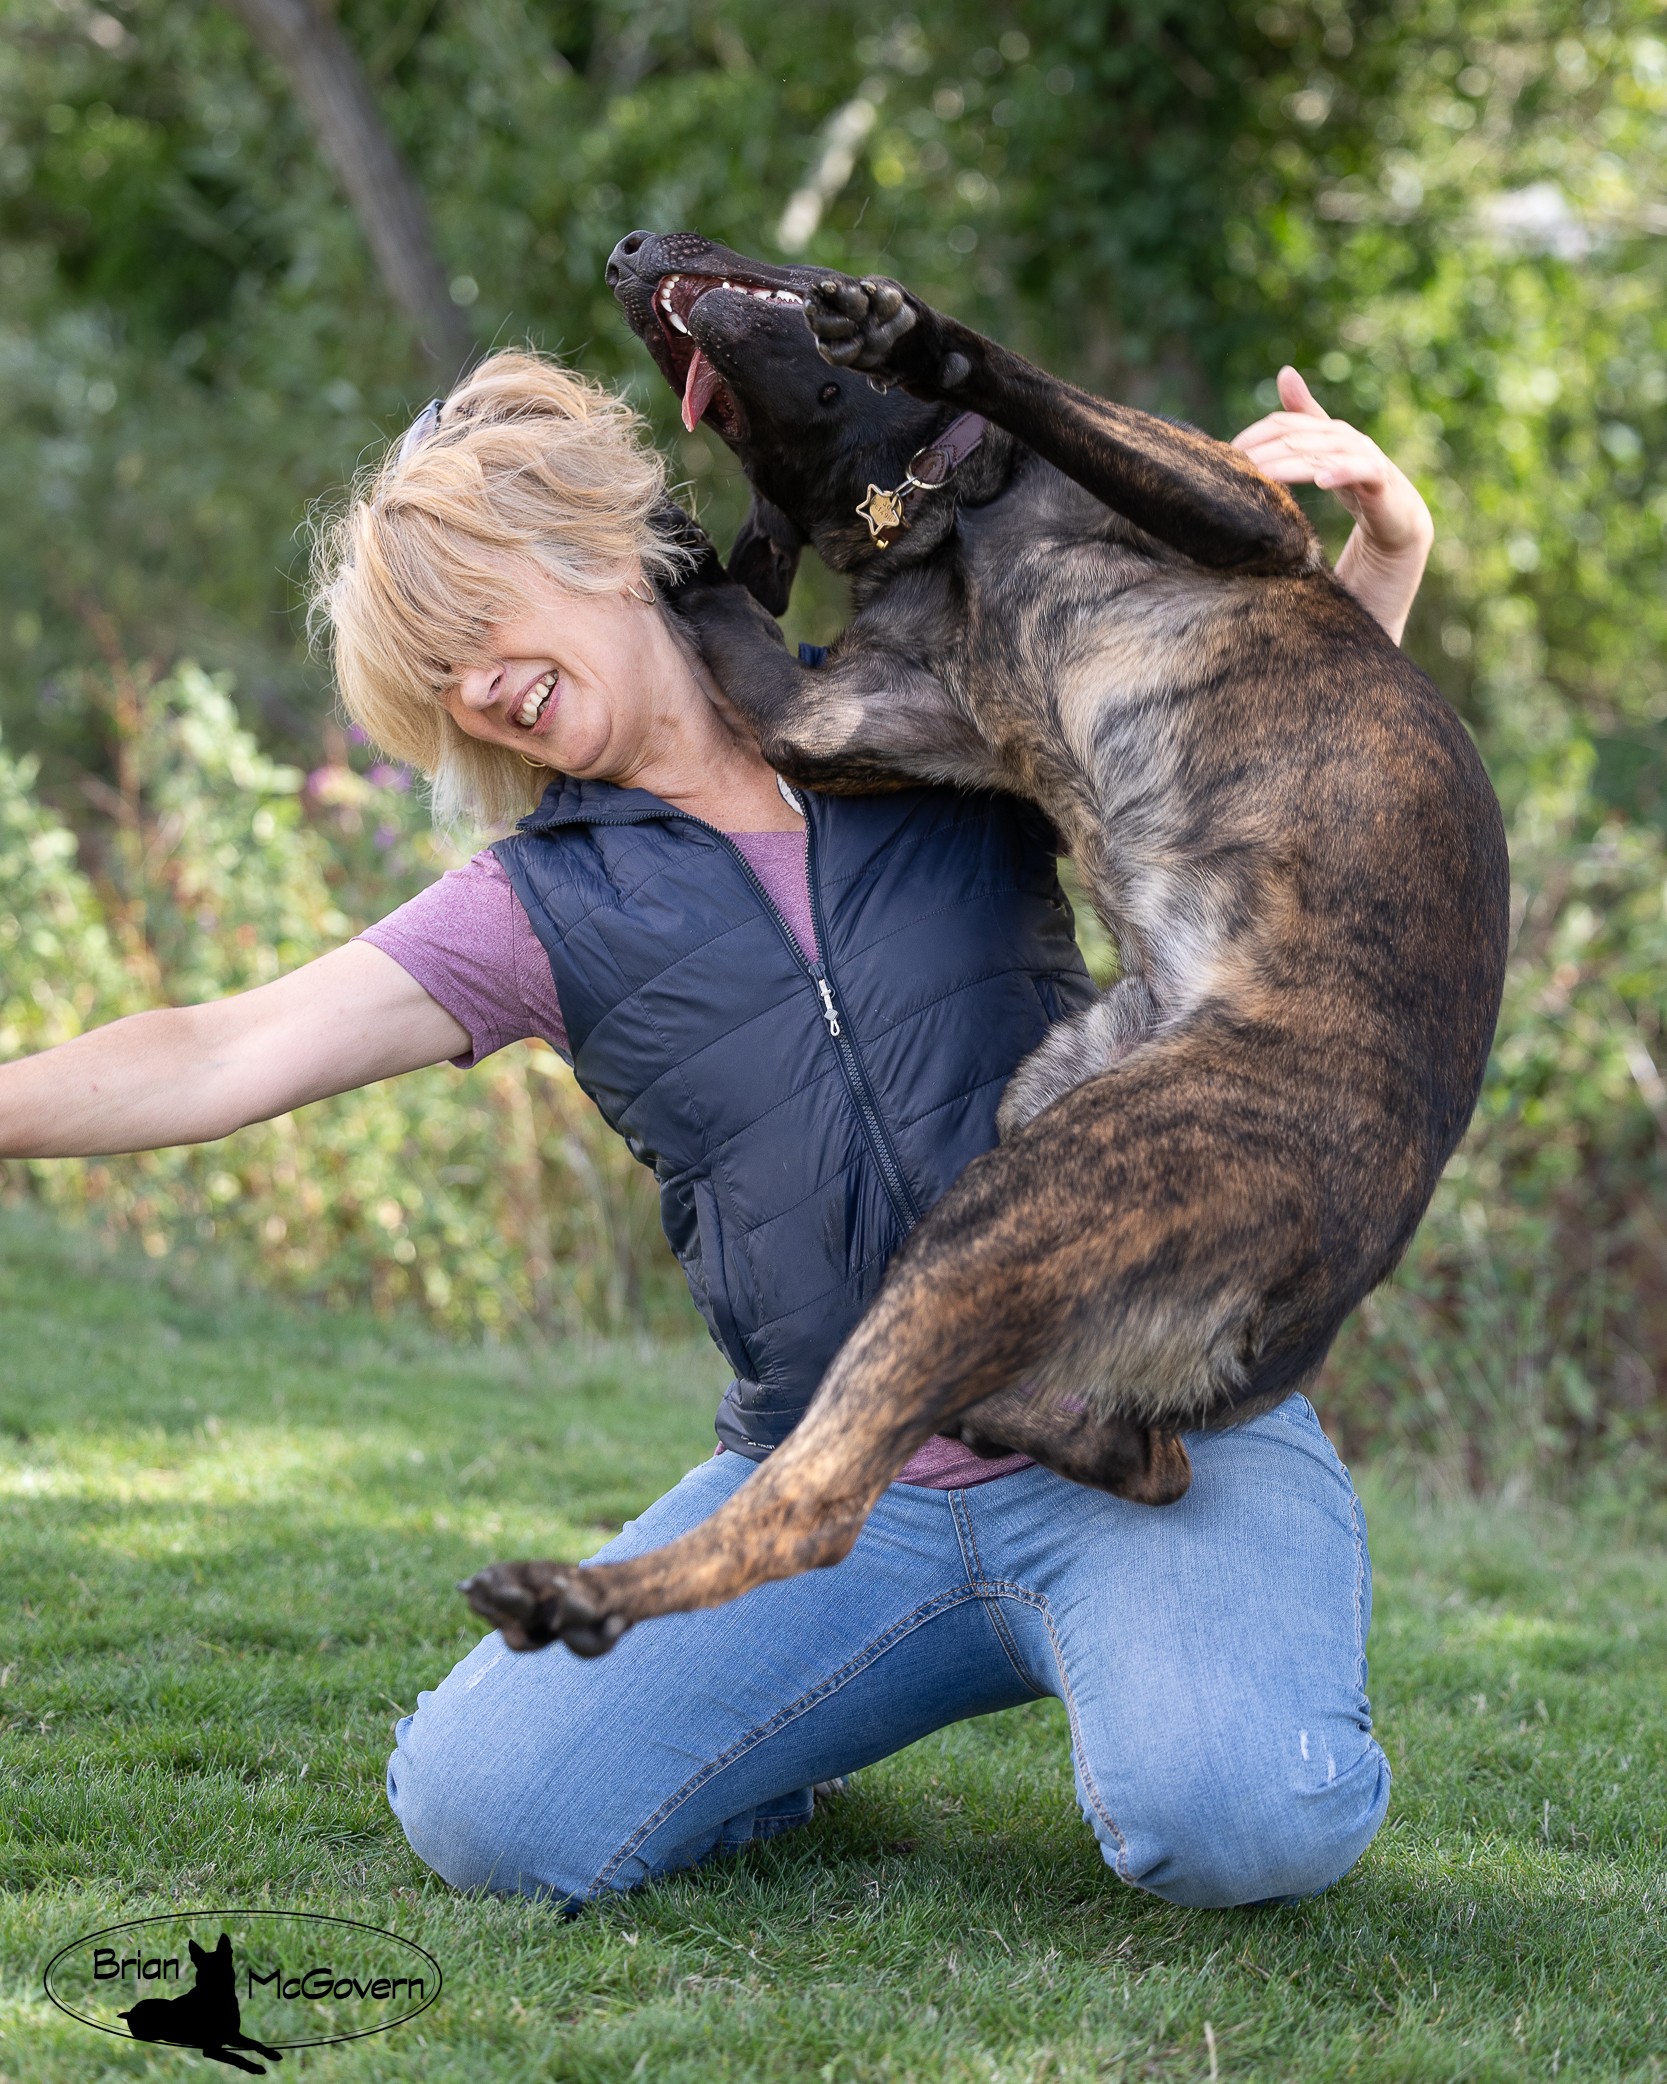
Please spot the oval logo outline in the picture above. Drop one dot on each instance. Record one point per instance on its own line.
(312, 1917)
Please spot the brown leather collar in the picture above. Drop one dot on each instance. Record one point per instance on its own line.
(889, 512)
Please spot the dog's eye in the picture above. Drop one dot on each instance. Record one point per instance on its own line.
(828, 393)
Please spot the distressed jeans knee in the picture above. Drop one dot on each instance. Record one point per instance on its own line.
(1222, 1846)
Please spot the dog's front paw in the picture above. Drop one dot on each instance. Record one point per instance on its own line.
(859, 325)
(535, 1604)
(703, 566)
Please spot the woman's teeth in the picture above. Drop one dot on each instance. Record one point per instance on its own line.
(533, 702)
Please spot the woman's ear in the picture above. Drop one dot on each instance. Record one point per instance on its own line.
(766, 555)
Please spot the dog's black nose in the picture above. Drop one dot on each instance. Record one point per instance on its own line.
(632, 243)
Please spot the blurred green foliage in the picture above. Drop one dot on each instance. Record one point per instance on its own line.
(498, 1202)
(1452, 218)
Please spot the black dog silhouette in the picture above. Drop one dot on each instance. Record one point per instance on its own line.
(206, 2017)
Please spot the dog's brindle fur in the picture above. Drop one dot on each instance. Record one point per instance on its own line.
(1286, 830)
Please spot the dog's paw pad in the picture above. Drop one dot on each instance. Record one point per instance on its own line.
(857, 324)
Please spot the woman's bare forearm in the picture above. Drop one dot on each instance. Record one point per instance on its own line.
(1385, 582)
(133, 1086)
(189, 1074)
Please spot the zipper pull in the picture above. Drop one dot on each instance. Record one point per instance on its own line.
(830, 1012)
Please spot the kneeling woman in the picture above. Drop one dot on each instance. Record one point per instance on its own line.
(802, 1011)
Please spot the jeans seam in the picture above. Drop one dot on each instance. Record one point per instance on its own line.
(875, 1647)
(973, 1563)
(1359, 1587)
(1006, 1589)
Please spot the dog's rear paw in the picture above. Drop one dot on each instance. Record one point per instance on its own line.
(535, 1604)
(1163, 1471)
(857, 325)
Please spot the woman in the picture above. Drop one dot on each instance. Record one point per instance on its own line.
(802, 1011)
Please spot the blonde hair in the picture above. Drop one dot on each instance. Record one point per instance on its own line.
(529, 463)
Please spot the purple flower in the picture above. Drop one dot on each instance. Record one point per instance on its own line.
(387, 836)
(355, 736)
(384, 776)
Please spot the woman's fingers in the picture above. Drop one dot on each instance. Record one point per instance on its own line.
(1327, 453)
(1297, 402)
(1295, 395)
(1298, 424)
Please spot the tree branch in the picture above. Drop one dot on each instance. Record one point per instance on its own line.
(328, 81)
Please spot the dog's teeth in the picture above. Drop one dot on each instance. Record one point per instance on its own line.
(676, 321)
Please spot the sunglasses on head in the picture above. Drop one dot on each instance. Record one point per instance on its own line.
(425, 424)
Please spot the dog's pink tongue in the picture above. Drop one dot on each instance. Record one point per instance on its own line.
(698, 386)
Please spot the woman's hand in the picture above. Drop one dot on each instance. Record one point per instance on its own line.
(187, 1074)
(1383, 560)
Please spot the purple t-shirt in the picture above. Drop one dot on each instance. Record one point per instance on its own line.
(468, 942)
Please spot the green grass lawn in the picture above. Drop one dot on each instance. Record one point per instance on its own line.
(229, 1537)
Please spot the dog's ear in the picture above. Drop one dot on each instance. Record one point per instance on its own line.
(766, 555)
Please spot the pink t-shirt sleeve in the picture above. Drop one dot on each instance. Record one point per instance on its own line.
(470, 945)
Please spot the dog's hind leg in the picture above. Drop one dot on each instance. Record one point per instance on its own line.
(1129, 1244)
(926, 1348)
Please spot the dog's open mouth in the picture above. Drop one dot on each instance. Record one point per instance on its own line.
(704, 391)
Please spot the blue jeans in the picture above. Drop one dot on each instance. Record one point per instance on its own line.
(1210, 1656)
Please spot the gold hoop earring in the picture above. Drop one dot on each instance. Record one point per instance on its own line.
(525, 762)
(647, 596)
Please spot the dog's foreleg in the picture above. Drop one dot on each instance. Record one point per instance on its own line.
(1194, 493)
(868, 720)
(244, 2040)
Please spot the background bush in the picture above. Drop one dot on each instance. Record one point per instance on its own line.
(1451, 218)
(497, 1201)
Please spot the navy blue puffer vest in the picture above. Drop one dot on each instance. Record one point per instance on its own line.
(799, 1117)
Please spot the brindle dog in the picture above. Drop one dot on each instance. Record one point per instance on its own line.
(1284, 827)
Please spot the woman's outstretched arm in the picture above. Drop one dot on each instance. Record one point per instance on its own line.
(1383, 560)
(188, 1074)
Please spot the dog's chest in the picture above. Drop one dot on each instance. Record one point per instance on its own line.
(1078, 654)
(1054, 622)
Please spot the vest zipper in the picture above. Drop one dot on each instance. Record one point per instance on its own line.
(897, 1187)
(881, 1147)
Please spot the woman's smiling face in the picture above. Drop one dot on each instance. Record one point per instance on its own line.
(568, 681)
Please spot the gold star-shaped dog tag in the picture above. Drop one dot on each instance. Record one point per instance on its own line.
(882, 511)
